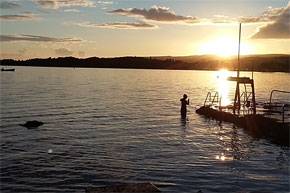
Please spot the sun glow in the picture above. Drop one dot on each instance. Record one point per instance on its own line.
(224, 46)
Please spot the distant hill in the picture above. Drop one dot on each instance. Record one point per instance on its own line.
(261, 63)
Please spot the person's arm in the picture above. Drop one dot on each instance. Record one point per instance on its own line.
(187, 102)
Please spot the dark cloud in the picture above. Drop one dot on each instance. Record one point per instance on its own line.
(33, 38)
(19, 17)
(47, 4)
(156, 13)
(63, 52)
(120, 25)
(55, 4)
(279, 29)
(9, 5)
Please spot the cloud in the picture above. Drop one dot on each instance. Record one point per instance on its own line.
(55, 4)
(63, 52)
(156, 13)
(252, 19)
(273, 13)
(279, 29)
(71, 10)
(33, 38)
(270, 15)
(9, 5)
(120, 25)
(220, 16)
(105, 2)
(19, 17)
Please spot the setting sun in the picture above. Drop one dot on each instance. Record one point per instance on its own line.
(224, 46)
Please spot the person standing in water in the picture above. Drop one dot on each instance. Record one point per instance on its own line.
(184, 102)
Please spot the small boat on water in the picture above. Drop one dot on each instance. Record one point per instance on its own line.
(7, 69)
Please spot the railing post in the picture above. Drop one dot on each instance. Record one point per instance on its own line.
(253, 96)
(283, 112)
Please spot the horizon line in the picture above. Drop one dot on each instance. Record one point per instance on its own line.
(216, 55)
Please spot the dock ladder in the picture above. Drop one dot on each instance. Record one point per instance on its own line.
(212, 100)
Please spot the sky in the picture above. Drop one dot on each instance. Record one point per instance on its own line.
(116, 28)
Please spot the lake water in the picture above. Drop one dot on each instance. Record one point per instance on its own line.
(108, 126)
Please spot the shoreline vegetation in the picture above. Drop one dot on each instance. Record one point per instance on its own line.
(257, 63)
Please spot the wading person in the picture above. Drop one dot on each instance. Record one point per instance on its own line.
(184, 102)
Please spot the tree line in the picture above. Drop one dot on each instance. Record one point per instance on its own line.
(262, 63)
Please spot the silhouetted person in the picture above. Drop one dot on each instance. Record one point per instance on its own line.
(184, 102)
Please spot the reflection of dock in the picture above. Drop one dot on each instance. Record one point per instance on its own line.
(243, 112)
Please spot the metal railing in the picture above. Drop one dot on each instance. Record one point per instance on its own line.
(211, 100)
(277, 107)
(281, 91)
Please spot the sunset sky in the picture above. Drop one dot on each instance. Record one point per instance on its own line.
(86, 28)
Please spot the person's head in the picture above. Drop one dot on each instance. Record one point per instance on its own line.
(185, 96)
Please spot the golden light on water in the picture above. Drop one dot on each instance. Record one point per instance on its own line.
(223, 86)
(220, 157)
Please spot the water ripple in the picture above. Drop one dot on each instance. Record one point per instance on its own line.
(106, 126)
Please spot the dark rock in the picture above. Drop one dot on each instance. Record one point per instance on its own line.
(32, 124)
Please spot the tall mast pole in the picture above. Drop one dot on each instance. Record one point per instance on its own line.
(239, 50)
(237, 104)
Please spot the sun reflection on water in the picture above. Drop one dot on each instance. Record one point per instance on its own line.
(223, 86)
(222, 157)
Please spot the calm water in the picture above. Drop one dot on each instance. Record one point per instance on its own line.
(107, 126)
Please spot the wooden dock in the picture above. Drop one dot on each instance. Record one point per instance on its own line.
(257, 125)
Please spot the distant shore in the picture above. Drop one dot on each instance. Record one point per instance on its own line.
(258, 63)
